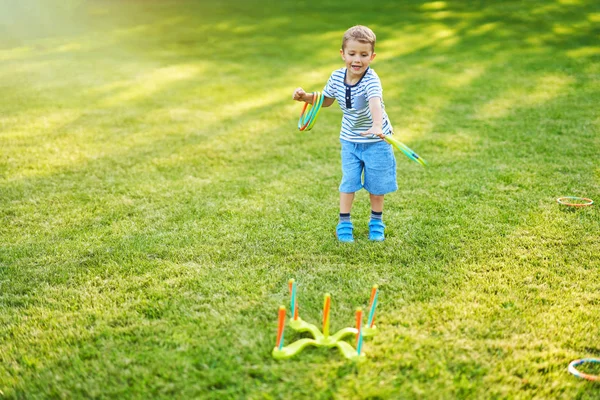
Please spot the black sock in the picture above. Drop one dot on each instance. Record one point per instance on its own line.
(344, 217)
(376, 215)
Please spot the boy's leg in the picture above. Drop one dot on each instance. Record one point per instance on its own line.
(344, 229)
(376, 226)
(346, 200)
(380, 169)
(352, 168)
(376, 202)
(380, 178)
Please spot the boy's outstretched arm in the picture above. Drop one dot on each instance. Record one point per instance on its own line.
(301, 95)
(377, 115)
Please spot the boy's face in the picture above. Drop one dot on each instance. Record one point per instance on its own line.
(357, 56)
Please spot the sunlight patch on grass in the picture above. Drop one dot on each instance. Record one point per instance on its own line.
(44, 47)
(563, 29)
(43, 157)
(584, 52)
(98, 11)
(459, 144)
(142, 29)
(191, 118)
(15, 53)
(546, 88)
(443, 33)
(439, 15)
(247, 29)
(466, 77)
(434, 5)
(69, 47)
(483, 28)
(407, 43)
(449, 42)
(134, 31)
(109, 87)
(393, 48)
(261, 100)
(36, 127)
(150, 83)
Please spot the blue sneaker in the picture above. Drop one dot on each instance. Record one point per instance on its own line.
(343, 231)
(376, 230)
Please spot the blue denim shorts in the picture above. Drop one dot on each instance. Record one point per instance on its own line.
(376, 160)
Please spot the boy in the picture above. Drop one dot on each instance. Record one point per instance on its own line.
(357, 89)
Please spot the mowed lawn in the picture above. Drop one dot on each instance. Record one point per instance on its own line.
(156, 196)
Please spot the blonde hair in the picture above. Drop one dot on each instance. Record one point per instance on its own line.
(361, 34)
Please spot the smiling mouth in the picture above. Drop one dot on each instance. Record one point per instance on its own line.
(356, 67)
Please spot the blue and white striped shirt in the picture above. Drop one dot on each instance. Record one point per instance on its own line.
(354, 102)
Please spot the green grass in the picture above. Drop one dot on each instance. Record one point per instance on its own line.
(155, 197)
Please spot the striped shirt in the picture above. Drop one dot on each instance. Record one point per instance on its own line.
(354, 102)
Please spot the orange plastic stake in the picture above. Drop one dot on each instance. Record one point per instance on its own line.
(280, 327)
(358, 323)
(373, 294)
(326, 308)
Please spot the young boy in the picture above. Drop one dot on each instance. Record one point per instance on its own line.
(357, 89)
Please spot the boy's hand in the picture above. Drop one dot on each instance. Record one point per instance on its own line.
(374, 131)
(299, 94)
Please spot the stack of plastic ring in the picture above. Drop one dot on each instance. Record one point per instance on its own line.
(406, 150)
(309, 113)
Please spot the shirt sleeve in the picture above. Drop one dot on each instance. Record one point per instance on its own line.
(329, 89)
(373, 87)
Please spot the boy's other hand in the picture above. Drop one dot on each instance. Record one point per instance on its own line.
(299, 94)
(374, 131)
